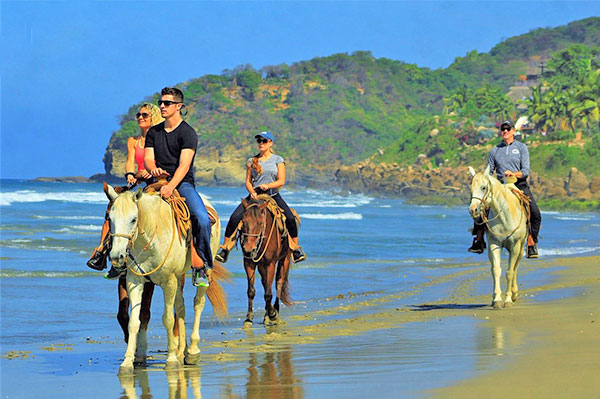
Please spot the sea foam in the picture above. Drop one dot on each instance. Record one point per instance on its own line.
(332, 216)
(7, 198)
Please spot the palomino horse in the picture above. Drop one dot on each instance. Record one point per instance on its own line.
(263, 246)
(506, 227)
(143, 228)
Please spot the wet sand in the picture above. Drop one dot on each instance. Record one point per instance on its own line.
(436, 339)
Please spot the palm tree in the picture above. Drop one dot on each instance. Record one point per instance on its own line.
(586, 102)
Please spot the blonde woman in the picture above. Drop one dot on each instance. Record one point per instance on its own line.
(265, 175)
(147, 116)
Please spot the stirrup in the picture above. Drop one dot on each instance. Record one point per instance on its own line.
(478, 246)
(199, 277)
(98, 259)
(298, 255)
(115, 272)
(222, 255)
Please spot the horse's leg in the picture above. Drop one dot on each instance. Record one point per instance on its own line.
(511, 274)
(123, 312)
(142, 346)
(267, 281)
(250, 273)
(282, 284)
(170, 291)
(193, 352)
(134, 290)
(494, 252)
(179, 326)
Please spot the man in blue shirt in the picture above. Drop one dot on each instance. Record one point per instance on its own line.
(511, 158)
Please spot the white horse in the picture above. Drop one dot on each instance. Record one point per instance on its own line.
(144, 236)
(506, 227)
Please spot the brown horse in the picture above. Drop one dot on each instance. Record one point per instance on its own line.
(263, 246)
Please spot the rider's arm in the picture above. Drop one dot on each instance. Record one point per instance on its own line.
(249, 186)
(491, 162)
(130, 164)
(149, 161)
(524, 162)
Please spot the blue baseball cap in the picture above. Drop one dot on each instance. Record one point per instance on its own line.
(265, 135)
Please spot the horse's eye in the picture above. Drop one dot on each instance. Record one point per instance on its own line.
(133, 220)
(482, 188)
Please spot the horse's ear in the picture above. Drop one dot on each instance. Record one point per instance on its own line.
(471, 171)
(244, 203)
(486, 172)
(110, 192)
(138, 195)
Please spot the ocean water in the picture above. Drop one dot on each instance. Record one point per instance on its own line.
(355, 244)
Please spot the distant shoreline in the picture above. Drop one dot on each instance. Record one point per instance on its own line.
(577, 205)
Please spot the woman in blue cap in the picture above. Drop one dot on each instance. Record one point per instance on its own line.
(265, 174)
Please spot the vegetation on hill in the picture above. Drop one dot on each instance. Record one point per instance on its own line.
(344, 108)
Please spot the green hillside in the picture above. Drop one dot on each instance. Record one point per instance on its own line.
(341, 109)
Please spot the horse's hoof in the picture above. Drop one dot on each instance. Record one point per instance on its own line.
(126, 370)
(172, 364)
(271, 321)
(497, 304)
(192, 359)
(514, 297)
(508, 304)
(248, 324)
(140, 361)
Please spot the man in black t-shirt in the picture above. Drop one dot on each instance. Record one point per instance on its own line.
(170, 148)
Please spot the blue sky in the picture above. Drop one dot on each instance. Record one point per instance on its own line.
(71, 68)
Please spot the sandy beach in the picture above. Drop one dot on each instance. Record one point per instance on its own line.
(436, 339)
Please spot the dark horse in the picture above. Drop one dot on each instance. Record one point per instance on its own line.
(264, 246)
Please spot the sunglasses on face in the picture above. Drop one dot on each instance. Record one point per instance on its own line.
(144, 115)
(262, 141)
(507, 129)
(167, 103)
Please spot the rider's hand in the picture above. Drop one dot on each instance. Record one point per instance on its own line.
(263, 187)
(166, 191)
(131, 180)
(158, 171)
(509, 173)
(145, 174)
(253, 195)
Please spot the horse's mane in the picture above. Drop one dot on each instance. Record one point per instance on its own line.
(152, 210)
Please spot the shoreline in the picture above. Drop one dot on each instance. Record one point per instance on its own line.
(434, 199)
(443, 326)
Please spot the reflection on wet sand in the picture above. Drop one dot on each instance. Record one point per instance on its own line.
(271, 374)
(178, 381)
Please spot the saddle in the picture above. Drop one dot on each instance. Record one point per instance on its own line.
(278, 214)
(524, 200)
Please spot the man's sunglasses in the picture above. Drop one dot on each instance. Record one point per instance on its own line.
(167, 103)
(144, 115)
(261, 141)
(505, 129)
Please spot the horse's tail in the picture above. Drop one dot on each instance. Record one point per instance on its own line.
(215, 292)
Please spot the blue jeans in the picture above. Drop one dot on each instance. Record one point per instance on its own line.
(200, 221)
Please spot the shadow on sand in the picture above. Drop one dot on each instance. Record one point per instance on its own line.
(458, 306)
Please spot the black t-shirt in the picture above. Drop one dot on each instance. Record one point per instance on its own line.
(168, 146)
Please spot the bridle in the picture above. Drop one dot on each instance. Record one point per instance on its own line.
(130, 246)
(261, 237)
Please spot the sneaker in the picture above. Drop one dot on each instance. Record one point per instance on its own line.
(222, 255)
(199, 278)
(115, 272)
(478, 246)
(532, 251)
(98, 260)
(298, 255)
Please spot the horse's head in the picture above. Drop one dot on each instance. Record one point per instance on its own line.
(481, 187)
(252, 232)
(123, 220)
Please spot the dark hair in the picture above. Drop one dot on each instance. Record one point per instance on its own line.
(172, 91)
